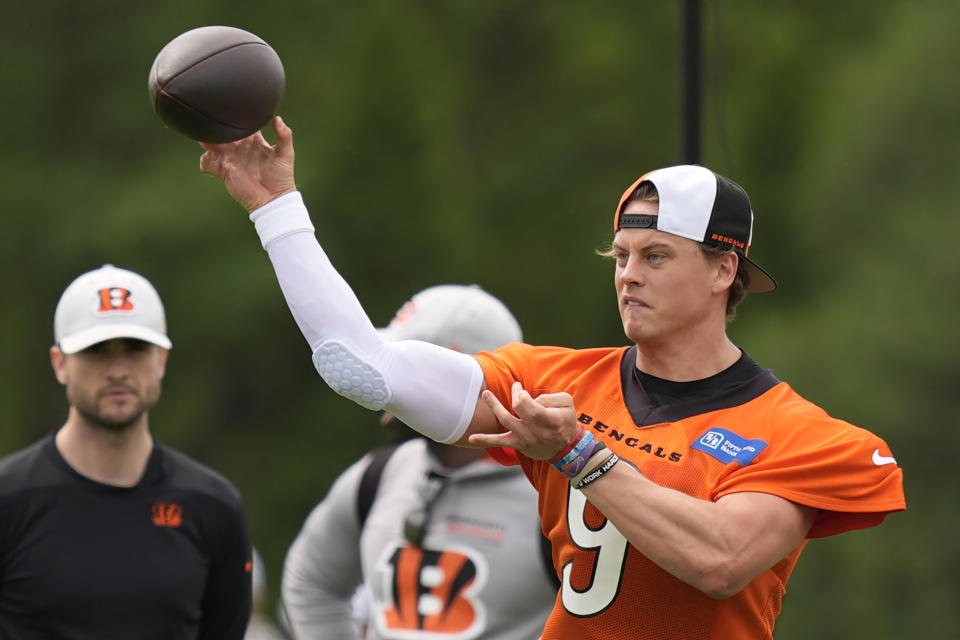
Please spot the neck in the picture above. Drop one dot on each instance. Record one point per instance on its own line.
(117, 458)
(687, 360)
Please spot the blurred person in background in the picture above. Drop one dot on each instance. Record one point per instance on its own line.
(679, 481)
(105, 533)
(445, 541)
(262, 626)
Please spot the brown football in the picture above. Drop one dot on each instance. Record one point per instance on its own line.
(216, 83)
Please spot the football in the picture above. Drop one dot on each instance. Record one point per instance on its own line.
(216, 84)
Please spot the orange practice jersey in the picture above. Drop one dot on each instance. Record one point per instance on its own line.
(771, 441)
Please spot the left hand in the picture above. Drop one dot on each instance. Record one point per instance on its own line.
(539, 428)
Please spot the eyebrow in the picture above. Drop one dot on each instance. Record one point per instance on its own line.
(616, 246)
(657, 245)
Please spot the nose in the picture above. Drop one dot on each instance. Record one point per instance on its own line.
(118, 359)
(630, 273)
(118, 367)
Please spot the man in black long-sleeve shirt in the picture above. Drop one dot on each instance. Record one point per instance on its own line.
(104, 533)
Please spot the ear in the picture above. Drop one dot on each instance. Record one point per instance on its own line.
(164, 353)
(725, 271)
(59, 362)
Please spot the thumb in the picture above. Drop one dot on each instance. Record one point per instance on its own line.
(284, 138)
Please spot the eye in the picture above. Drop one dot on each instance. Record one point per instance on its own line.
(130, 346)
(136, 346)
(622, 258)
(97, 348)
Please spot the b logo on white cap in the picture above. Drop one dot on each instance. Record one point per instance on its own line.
(115, 299)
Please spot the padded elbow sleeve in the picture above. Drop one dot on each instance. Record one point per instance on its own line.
(432, 389)
(349, 375)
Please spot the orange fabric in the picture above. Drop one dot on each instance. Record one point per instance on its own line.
(613, 591)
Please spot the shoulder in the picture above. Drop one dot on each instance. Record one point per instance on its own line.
(805, 455)
(410, 452)
(28, 467)
(387, 462)
(789, 412)
(182, 472)
(535, 365)
(396, 467)
(789, 423)
(21, 460)
(521, 350)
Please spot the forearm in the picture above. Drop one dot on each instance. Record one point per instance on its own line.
(432, 389)
(717, 547)
(670, 528)
(310, 283)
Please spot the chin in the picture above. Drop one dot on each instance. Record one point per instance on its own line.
(118, 424)
(116, 421)
(632, 334)
(638, 333)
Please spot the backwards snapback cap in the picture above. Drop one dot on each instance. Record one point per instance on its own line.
(461, 317)
(701, 205)
(109, 303)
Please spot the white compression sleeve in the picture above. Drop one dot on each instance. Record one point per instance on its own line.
(432, 389)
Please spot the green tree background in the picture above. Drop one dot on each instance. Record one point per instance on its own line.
(463, 141)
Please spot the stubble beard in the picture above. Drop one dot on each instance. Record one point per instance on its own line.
(89, 409)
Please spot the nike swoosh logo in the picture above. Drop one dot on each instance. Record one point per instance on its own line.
(880, 460)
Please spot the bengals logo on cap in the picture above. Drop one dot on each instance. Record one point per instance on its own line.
(115, 299)
(434, 592)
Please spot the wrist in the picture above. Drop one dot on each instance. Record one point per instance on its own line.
(265, 199)
(598, 465)
(581, 432)
(573, 459)
(281, 217)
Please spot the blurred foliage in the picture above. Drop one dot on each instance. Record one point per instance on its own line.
(488, 142)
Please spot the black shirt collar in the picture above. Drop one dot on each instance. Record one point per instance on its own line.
(653, 400)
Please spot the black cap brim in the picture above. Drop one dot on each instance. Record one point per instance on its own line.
(760, 280)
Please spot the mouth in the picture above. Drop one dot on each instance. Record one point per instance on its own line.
(629, 302)
(117, 393)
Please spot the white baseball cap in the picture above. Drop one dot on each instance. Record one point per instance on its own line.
(108, 303)
(461, 317)
(701, 205)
